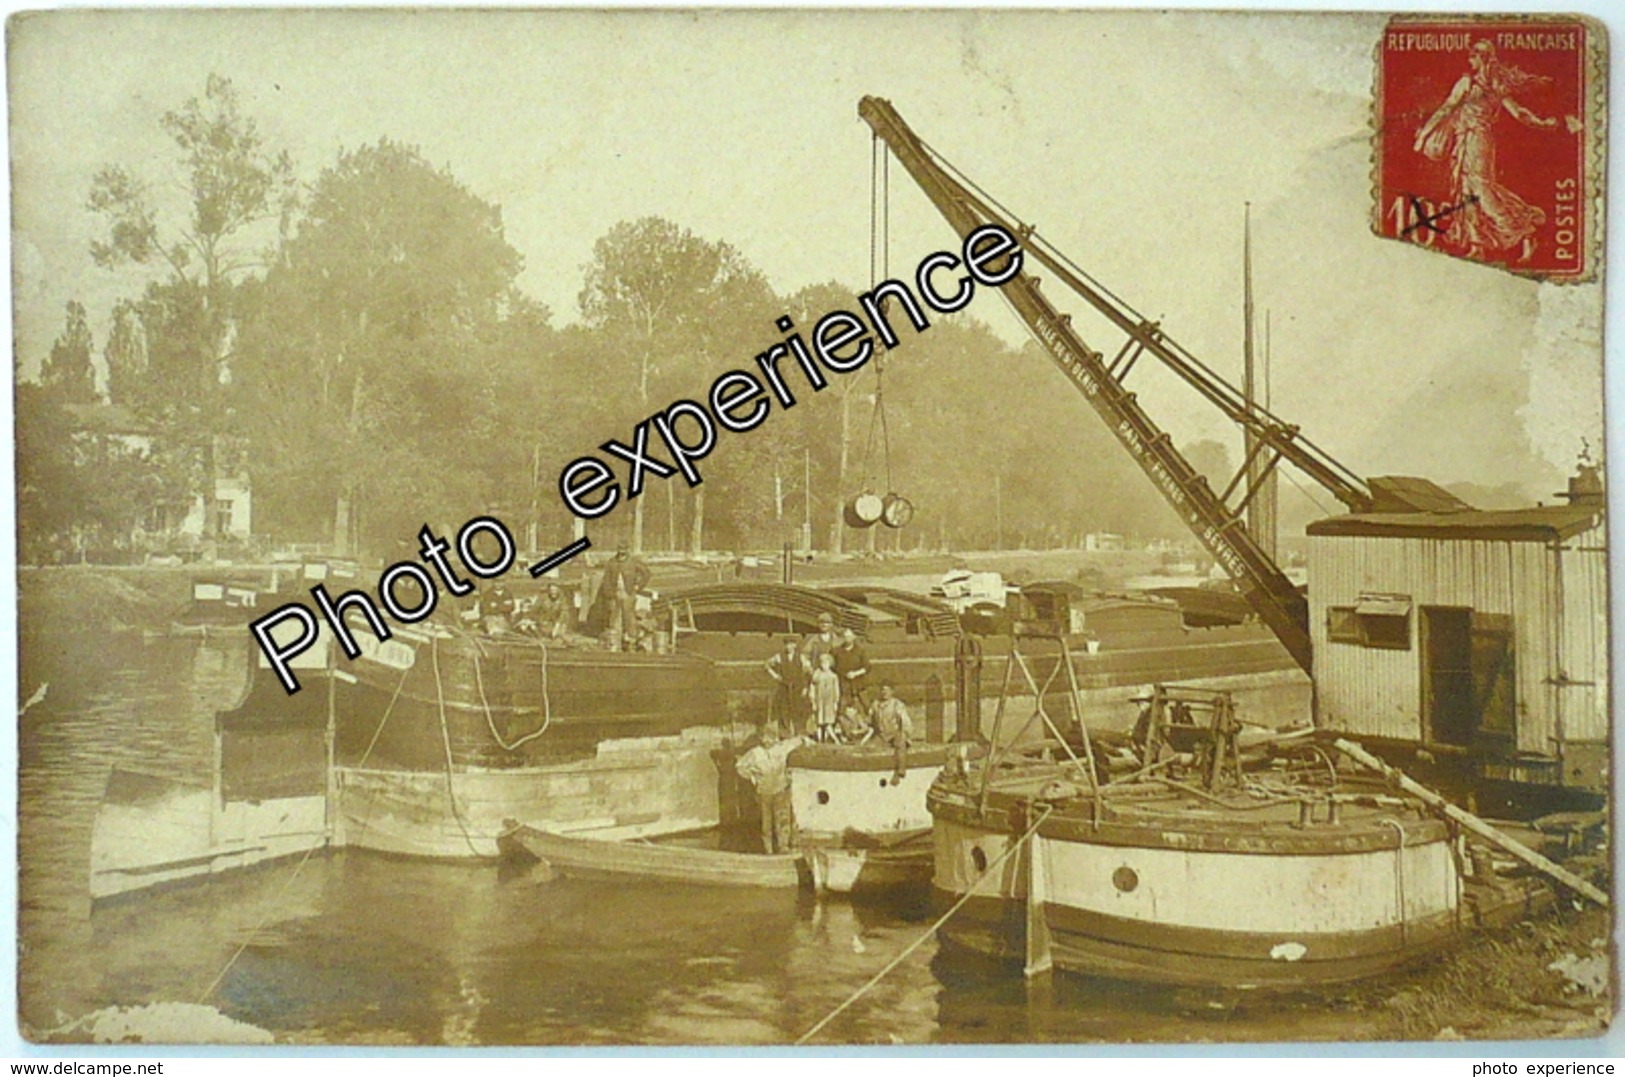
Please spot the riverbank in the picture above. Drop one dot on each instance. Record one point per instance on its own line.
(1546, 978)
(103, 598)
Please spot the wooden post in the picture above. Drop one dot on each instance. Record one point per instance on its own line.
(1473, 823)
(330, 807)
(1039, 958)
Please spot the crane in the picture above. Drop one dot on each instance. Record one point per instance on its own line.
(1216, 518)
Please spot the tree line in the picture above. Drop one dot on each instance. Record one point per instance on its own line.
(359, 347)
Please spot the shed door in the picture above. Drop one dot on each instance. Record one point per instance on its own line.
(1447, 674)
(1494, 689)
(1467, 676)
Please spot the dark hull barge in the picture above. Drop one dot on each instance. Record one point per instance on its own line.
(441, 735)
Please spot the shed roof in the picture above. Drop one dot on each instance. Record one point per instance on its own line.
(1542, 524)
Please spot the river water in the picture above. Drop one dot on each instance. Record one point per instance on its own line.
(360, 948)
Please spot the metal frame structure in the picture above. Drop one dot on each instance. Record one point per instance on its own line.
(1217, 523)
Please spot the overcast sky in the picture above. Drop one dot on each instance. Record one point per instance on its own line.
(1133, 140)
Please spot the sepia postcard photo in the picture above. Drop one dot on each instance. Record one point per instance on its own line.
(747, 528)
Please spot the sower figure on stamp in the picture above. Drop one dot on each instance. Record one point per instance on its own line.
(767, 768)
(792, 703)
(889, 717)
(1489, 216)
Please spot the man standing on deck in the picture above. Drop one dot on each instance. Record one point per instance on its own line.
(624, 577)
(825, 642)
(767, 767)
(852, 667)
(792, 699)
(889, 717)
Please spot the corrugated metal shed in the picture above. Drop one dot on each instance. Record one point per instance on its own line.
(1534, 578)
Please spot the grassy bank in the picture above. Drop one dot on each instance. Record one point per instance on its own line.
(102, 598)
(1501, 985)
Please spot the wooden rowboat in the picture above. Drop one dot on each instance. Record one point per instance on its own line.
(656, 862)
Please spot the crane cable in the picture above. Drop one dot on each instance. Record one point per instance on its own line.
(879, 270)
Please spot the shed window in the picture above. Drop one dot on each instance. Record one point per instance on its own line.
(1382, 621)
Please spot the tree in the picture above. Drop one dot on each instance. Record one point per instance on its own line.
(1212, 459)
(201, 252)
(125, 354)
(47, 479)
(232, 180)
(672, 302)
(68, 373)
(385, 354)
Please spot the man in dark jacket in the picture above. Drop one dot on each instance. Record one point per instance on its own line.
(624, 576)
(852, 667)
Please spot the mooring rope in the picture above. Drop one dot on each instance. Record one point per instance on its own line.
(930, 931)
(373, 743)
(490, 723)
(249, 938)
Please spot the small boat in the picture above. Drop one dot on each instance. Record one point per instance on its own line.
(862, 828)
(668, 861)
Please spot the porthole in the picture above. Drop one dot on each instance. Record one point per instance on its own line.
(883, 783)
(978, 858)
(823, 796)
(1125, 879)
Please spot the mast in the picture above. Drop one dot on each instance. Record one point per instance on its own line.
(1260, 485)
(1268, 527)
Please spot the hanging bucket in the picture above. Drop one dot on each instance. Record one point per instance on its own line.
(896, 511)
(865, 510)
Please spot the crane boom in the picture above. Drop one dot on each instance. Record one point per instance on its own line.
(1216, 524)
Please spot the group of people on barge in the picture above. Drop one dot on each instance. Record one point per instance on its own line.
(821, 696)
(604, 608)
(821, 687)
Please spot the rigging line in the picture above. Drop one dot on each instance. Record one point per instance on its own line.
(1284, 471)
(1305, 491)
(885, 273)
(365, 820)
(390, 709)
(445, 740)
(885, 437)
(874, 212)
(885, 215)
(869, 446)
(1031, 232)
(930, 931)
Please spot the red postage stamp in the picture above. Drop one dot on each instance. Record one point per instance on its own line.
(1485, 131)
